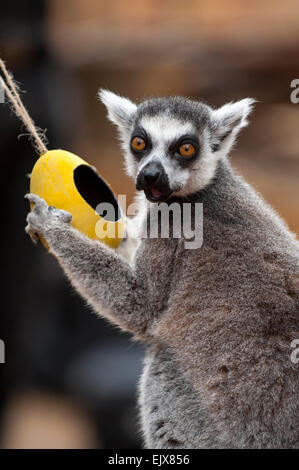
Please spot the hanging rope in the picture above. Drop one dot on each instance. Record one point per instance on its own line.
(11, 91)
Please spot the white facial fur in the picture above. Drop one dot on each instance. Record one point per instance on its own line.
(203, 170)
(229, 118)
(163, 130)
(215, 139)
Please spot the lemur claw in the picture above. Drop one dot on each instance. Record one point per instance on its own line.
(43, 217)
(60, 214)
(32, 234)
(38, 201)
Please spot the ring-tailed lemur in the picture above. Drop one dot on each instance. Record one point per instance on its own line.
(218, 320)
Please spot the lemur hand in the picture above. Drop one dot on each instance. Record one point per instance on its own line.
(44, 217)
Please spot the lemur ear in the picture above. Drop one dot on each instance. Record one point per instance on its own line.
(227, 122)
(120, 110)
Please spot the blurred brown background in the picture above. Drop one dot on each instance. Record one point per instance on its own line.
(70, 379)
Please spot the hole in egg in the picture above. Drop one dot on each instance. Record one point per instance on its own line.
(95, 191)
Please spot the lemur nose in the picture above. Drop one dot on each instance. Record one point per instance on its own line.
(151, 177)
(152, 173)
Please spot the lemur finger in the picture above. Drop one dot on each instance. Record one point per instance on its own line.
(60, 214)
(66, 216)
(30, 218)
(35, 221)
(38, 201)
(32, 233)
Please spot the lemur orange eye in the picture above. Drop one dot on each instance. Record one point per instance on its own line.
(187, 150)
(138, 144)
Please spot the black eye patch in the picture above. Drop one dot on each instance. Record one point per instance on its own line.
(174, 149)
(139, 132)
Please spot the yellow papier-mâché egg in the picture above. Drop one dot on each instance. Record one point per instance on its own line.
(67, 182)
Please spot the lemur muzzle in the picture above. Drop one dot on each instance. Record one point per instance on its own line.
(153, 180)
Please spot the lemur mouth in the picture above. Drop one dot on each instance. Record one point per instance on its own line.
(156, 195)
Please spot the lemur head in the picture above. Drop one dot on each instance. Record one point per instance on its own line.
(172, 145)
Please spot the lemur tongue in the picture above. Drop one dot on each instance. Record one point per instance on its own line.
(156, 193)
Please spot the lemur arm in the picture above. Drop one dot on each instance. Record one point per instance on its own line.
(103, 278)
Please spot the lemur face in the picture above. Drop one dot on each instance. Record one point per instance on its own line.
(165, 148)
(172, 145)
